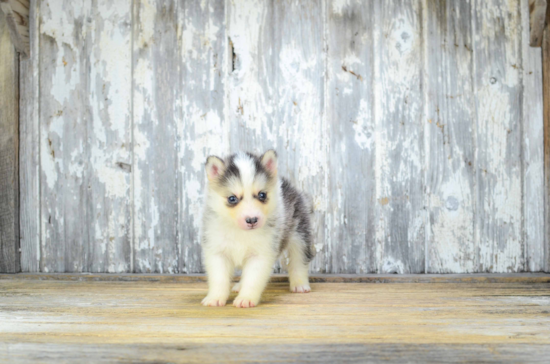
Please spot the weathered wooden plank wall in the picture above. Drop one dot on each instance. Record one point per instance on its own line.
(85, 136)
(9, 144)
(449, 137)
(416, 125)
(201, 131)
(546, 129)
(533, 152)
(155, 90)
(29, 150)
(400, 229)
(350, 224)
(16, 14)
(497, 83)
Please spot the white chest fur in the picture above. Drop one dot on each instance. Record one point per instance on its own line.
(239, 245)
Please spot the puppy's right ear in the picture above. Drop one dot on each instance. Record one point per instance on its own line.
(215, 167)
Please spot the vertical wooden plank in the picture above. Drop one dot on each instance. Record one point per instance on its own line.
(156, 91)
(251, 104)
(64, 48)
(400, 229)
(298, 57)
(9, 152)
(546, 132)
(201, 129)
(532, 147)
(29, 166)
(17, 18)
(497, 63)
(109, 137)
(536, 10)
(85, 69)
(449, 125)
(351, 136)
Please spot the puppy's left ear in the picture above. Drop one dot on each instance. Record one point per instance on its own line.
(269, 161)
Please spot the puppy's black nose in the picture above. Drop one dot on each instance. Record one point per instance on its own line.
(251, 220)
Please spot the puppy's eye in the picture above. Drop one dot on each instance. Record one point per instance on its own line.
(232, 200)
(262, 196)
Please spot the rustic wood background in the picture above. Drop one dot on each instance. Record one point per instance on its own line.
(417, 126)
(9, 96)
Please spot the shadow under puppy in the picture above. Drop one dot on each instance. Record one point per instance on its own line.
(250, 217)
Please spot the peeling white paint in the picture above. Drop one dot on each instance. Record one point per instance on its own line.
(249, 101)
(277, 97)
(363, 132)
(338, 6)
(49, 166)
(147, 23)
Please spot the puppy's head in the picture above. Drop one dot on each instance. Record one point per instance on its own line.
(242, 188)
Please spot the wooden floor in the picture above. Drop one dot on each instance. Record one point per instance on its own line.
(68, 320)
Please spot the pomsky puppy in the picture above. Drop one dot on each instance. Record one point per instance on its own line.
(250, 217)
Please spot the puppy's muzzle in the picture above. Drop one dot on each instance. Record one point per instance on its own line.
(251, 222)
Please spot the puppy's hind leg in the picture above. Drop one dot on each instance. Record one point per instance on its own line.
(299, 257)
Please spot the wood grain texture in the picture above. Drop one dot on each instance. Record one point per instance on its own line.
(524, 278)
(400, 228)
(532, 151)
(416, 127)
(449, 139)
(17, 18)
(546, 132)
(109, 137)
(310, 353)
(250, 100)
(85, 68)
(9, 153)
(29, 150)
(64, 152)
(537, 20)
(456, 323)
(497, 82)
(156, 91)
(201, 131)
(351, 219)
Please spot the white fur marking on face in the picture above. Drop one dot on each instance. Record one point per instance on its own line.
(247, 169)
(248, 206)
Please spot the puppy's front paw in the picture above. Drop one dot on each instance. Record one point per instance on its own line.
(236, 287)
(245, 302)
(300, 288)
(212, 300)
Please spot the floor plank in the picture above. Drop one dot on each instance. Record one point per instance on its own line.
(281, 278)
(161, 321)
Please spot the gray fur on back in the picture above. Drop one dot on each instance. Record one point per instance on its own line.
(298, 210)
